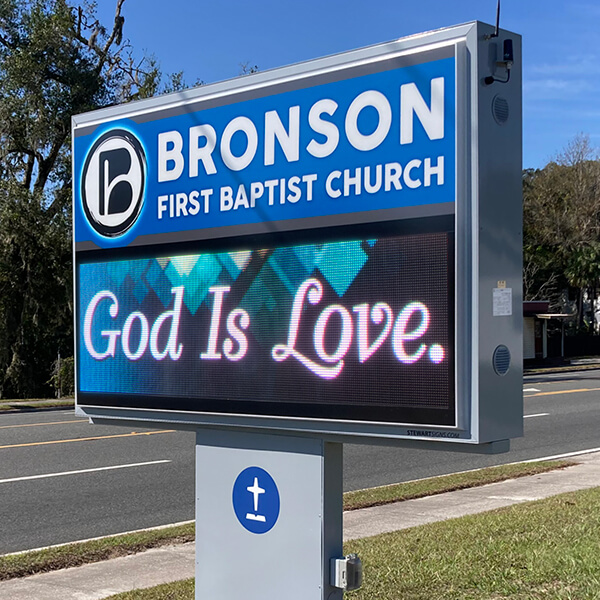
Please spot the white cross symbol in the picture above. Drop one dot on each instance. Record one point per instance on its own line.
(255, 490)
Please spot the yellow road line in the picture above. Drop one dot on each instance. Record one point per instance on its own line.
(562, 392)
(41, 424)
(554, 381)
(88, 439)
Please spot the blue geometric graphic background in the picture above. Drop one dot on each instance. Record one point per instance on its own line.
(281, 274)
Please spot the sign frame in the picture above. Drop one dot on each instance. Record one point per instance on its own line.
(487, 229)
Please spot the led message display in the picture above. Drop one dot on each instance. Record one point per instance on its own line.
(353, 329)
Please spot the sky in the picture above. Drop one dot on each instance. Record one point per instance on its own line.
(210, 40)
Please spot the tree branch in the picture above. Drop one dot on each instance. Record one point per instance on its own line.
(29, 170)
(116, 32)
(47, 164)
(6, 43)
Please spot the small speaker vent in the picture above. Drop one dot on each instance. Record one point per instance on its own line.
(501, 360)
(500, 109)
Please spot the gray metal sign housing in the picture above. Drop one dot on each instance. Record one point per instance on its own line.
(332, 249)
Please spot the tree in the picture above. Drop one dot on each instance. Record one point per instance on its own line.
(56, 60)
(562, 226)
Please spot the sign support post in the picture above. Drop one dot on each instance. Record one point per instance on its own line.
(270, 507)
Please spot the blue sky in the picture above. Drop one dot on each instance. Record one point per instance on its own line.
(210, 39)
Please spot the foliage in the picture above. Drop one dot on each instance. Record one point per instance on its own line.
(56, 60)
(35, 289)
(562, 227)
(63, 376)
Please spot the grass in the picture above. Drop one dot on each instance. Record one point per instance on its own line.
(180, 590)
(544, 550)
(447, 483)
(35, 403)
(29, 563)
(540, 550)
(73, 555)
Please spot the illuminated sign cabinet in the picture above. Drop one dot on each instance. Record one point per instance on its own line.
(331, 248)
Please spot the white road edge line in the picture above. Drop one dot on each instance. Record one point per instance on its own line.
(531, 390)
(79, 472)
(536, 415)
(543, 458)
(518, 462)
(559, 456)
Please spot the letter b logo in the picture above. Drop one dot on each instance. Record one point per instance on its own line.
(112, 187)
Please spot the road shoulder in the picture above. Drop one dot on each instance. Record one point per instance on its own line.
(99, 580)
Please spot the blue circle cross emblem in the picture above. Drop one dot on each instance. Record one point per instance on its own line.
(256, 500)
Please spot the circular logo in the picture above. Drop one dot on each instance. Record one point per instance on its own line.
(256, 500)
(112, 185)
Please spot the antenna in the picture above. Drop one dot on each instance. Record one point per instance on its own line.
(497, 29)
(497, 19)
(507, 54)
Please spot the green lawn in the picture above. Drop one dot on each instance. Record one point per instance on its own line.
(545, 550)
(540, 550)
(34, 403)
(447, 483)
(73, 555)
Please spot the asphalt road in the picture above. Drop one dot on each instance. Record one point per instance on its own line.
(62, 479)
(111, 496)
(562, 415)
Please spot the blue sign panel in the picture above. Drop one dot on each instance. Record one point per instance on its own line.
(256, 500)
(381, 145)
